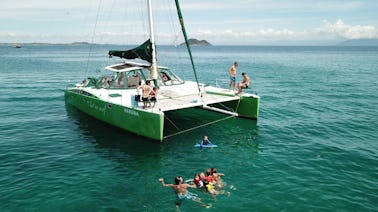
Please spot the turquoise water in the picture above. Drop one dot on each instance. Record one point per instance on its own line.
(314, 147)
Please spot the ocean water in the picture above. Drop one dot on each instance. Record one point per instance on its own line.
(314, 147)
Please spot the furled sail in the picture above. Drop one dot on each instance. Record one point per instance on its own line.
(143, 52)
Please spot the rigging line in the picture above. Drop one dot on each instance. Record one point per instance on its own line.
(92, 39)
(193, 128)
(143, 16)
(237, 106)
(225, 107)
(187, 42)
(165, 116)
(174, 28)
(107, 22)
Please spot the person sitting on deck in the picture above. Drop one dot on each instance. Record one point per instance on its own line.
(244, 84)
(164, 76)
(105, 82)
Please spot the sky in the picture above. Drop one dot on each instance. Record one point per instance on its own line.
(221, 22)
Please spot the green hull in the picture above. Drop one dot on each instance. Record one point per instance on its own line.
(248, 107)
(140, 122)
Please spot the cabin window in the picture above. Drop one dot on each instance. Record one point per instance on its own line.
(133, 79)
(119, 81)
(168, 78)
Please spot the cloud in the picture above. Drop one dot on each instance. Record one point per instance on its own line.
(342, 30)
(337, 31)
(226, 22)
(328, 32)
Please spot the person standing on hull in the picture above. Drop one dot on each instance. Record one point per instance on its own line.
(146, 90)
(232, 72)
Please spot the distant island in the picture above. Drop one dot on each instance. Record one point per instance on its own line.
(80, 43)
(360, 42)
(195, 42)
(44, 44)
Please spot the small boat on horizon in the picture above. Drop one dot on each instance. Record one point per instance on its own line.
(112, 96)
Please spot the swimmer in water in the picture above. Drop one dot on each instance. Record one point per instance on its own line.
(182, 192)
(197, 180)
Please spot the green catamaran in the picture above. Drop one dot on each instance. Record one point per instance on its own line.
(112, 98)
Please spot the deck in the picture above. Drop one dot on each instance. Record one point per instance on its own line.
(168, 101)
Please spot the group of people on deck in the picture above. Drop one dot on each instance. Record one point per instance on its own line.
(149, 94)
(210, 182)
(241, 85)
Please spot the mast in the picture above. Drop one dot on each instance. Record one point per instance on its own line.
(187, 42)
(153, 68)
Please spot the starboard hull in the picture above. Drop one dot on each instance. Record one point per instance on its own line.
(137, 121)
(247, 106)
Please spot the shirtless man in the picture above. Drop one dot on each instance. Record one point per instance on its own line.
(232, 72)
(244, 83)
(182, 192)
(146, 90)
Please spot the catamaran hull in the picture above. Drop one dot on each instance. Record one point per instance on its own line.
(247, 106)
(137, 121)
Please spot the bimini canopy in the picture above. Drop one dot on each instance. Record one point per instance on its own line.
(129, 66)
(143, 52)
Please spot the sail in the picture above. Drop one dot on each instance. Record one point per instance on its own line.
(143, 52)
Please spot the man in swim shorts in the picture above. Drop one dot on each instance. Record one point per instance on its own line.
(232, 72)
(182, 192)
(189, 196)
(146, 90)
(244, 84)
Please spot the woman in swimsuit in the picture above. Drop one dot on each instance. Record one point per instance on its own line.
(197, 181)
